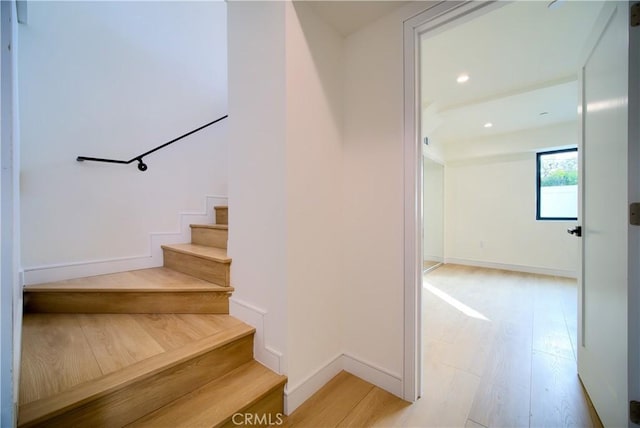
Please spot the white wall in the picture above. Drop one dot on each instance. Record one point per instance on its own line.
(373, 200)
(115, 79)
(562, 135)
(314, 182)
(491, 208)
(258, 173)
(285, 177)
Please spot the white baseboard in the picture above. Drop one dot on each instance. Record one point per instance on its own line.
(255, 317)
(515, 268)
(297, 394)
(63, 271)
(391, 382)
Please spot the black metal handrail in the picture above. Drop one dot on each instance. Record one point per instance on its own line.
(141, 165)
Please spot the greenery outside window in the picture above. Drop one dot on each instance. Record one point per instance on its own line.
(557, 185)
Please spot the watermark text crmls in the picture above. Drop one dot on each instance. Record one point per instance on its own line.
(262, 419)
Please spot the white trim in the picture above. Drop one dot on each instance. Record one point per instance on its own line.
(295, 395)
(64, 271)
(515, 268)
(389, 381)
(254, 316)
(412, 148)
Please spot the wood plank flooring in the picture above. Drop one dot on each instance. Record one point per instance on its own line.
(499, 351)
(145, 280)
(84, 347)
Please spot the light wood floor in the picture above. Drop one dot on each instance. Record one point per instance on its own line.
(147, 280)
(499, 351)
(84, 347)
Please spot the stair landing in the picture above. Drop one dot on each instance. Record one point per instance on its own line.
(148, 280)
(69, 360)
(156, 290)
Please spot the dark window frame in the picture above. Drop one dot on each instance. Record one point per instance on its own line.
(538, 187)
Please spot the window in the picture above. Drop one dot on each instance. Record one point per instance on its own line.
(557, 185)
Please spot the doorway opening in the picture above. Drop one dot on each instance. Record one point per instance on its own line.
(496, 89)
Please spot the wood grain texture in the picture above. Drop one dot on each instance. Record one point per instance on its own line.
(222, 214)
(212, 235)
(157, 290)
(124, 302)
(128, 403)
(148, 280)
(42, 340)
(270, 406)
(247, 389)
(112, 348)
(201, 251)
(159, 377)
(377, 409)
(447, 396)
(557, 399)
(170, 331)
(206, 263)
(329, 406)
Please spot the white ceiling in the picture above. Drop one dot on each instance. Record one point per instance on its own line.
(347, 17)
(522, 60)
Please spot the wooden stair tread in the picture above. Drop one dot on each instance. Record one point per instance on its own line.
(178, 351)
(216, 402)
(201, 251)
(210, 226)
(144, 280)
(72, 342)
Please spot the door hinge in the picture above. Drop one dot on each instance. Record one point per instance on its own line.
(634, 16)
(634, 411)
(634, 214)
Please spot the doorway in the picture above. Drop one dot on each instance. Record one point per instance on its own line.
(498, 161)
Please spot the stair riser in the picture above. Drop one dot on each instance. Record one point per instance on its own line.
(136, 399)
(208, 270)
(210, 237)
(222, 215)
(127, 302)
(268, 411)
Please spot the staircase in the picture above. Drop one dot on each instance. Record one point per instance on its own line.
(146, 348)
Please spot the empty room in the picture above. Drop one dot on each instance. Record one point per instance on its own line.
(500, 130)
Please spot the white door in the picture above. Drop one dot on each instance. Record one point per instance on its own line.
(603, 311)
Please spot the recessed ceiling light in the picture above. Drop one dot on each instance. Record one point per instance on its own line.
(488, 125)
(462, 78)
